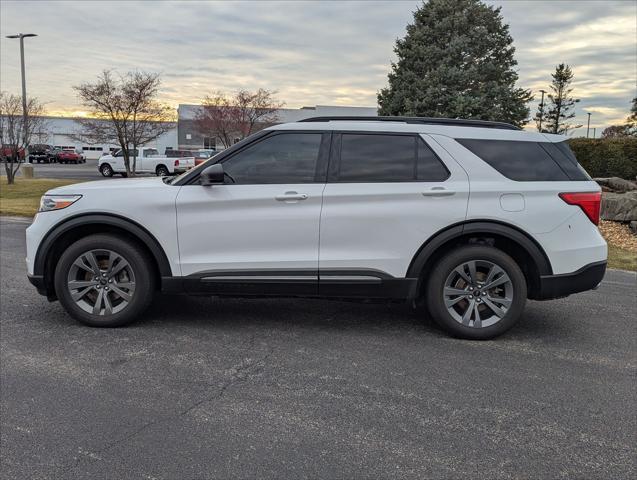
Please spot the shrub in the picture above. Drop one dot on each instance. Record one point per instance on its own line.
(607, 157)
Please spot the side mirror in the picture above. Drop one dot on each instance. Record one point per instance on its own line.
(212, 175)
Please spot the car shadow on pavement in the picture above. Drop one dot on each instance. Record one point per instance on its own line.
(285, 313)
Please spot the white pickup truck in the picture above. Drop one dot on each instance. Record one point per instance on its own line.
(148, 161)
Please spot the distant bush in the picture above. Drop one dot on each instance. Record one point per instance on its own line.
(607, 157)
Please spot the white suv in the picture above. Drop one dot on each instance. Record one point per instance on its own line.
(466, 218)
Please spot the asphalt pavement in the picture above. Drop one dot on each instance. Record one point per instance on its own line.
(278, 388)
(81, 171)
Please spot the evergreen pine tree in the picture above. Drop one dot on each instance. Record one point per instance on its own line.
(456, 61)
(560, 101)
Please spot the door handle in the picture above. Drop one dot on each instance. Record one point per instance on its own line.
(438, 192)
(291, 197)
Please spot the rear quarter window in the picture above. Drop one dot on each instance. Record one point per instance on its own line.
(565, 158)
(520, 161)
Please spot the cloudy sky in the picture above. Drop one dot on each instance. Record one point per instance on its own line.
(325, 53)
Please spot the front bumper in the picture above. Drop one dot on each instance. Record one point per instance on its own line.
(586, 278)
(38, 282)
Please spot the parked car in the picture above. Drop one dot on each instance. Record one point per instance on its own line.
(68, 156)
(172, 153)
(466, 219)
(148, 161)
(203, 155)
(8, 151)
(40, 153)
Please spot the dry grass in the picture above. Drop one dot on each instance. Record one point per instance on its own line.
(622, 245)
(23, 197)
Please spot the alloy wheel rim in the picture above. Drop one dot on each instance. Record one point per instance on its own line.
(101, 282)
(478, 293)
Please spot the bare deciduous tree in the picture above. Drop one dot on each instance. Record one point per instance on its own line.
(15, 136)
(124, 111)
(230, 116)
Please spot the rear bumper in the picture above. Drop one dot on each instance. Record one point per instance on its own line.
(586, 278)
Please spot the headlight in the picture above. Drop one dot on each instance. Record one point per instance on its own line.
(57, 202)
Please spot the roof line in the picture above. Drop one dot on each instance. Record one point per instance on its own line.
(417, 120)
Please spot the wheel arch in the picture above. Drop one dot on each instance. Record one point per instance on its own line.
(74, 228)
(525, 250)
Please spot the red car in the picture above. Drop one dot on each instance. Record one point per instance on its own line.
(8, 151)
(68, 156)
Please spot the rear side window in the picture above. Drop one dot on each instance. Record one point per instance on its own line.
(565, 158)
(521, 161)
(377, 158)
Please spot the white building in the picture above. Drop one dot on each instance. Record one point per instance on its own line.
(190, 138)
(62, 131)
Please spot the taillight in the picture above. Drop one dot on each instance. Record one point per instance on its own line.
(176, 163)
(589, 202)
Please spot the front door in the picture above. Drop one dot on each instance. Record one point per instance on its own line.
(258, 232)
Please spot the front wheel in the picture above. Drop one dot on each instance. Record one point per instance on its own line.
(106, 170)
(476, 292)
(104, 281)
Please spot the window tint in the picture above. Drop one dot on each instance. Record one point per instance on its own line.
(521, 161)
(283, 158)
(565, 157)
(388, 158)
(131, 153)
(430, 168)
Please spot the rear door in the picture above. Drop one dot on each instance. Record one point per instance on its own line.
(387, 193)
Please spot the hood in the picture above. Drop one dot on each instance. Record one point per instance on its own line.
(114, 185)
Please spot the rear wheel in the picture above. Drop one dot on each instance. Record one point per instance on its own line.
(106, 170)
(476, 292)
(161, 171)
(104, 281)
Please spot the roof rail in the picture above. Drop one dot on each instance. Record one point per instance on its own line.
(417, 120)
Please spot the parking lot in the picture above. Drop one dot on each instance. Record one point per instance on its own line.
(82, 171)
(280, 388)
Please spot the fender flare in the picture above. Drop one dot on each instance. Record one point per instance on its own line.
(479, 226)
(126, 224)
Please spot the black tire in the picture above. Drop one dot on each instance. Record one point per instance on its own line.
(106, 170)
(162, 171)
(140, 270)
(446, 268)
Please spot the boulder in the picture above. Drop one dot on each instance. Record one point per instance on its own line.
(633, 226)
(619, 207)
(616, 184)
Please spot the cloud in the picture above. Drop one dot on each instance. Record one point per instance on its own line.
(310, 52)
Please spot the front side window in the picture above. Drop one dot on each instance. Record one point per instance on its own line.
(281, 158)
(377, 158)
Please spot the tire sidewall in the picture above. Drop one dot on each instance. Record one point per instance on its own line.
(436, 283)
(139, 262)
(106, 170)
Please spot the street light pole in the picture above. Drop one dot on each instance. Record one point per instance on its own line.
(25, 116)
(588, 125)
